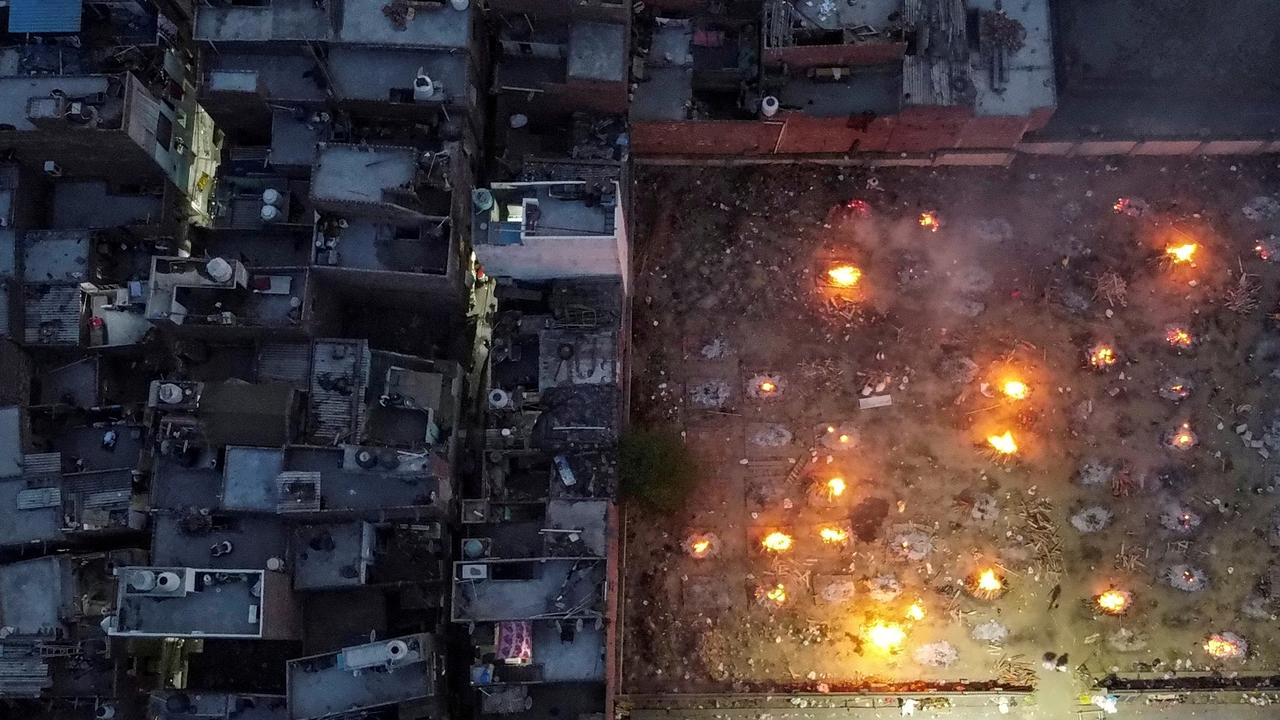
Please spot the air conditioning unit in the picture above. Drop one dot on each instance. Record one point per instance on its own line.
(52, 169)
(474, 571)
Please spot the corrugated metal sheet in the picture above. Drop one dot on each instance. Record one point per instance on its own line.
(36, 464)
(52, 314)
(299, 491)
(37, 498)
(339, 376)
(285, 363)
(44, 16)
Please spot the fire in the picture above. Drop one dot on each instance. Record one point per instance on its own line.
(844, 439)
(1113, 602)
(836, 487)
(1224, 646)
(777, 542)
(915, 611)
(1015, 389)
(885, 636)
(1181, 254)
(833, 535)
(776, 594)
(1121, 205)
(1178, 337)
(1102, 356)
(859, 207)
(929, 221)
(1182, 438)
(844, 276)
(699, 548)
(768, 386)
(989, 581)
(1003, 444)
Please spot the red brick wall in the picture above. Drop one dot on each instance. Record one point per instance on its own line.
(710, 137)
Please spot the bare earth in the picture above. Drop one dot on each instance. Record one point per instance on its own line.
(731, 293)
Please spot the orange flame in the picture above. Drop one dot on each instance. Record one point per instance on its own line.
(1181, 254)
(844, 276)
(776, 594)
(1015, 389)
(1102, 356)
(885, 636)
(699, 548)
(836, 487)
(929, 221)
(1178, 337)
(768, 386)
(833, 535)
(777, 542)
(1221, 647)
(1183, 438)
(1003, 444)
(1113, 602)
(915, 611)
(989, 581)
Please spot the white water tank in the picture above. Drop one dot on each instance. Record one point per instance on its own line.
(169, 393)
(272, 196)
(220, 270)
(270, 213)
(499, 399)
(397, 650)
(142, 580)
(769, 106)
(423, 86)
(168, 581)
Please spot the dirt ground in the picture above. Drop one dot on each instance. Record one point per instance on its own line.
(1030, 268)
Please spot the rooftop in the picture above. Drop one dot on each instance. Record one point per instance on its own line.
(53, 256)
(188, 704)
(529, 590)
(17, 92)
(368, 676)
(38, 596)
(332, 555)
(363, 23)
(191, 539)
(387, 75)
(343, 484)
(221, 603)
(362, 174)
(597, 51)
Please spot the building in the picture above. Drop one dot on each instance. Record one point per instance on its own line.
(366, 677)
(204, 602)
(964, 79)
(541, 231)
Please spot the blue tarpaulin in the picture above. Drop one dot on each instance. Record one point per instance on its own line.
(44, 16)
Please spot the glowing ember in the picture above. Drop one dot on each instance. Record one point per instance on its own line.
(1181, 254)
(1178, 337)
(1121, 205)
(776, 594)
(859, 207)
(777, 542)
(836, 487)
(844, 276)
(884, 636)
(915, 611)
(701, 545)
(929, 221)
(768, 386)
(1003, 444)
(1182, 438)
(833, 535)
(1113, 602)
(1225, 646)
(1102, 356)
(700, 548)
(1015, 389)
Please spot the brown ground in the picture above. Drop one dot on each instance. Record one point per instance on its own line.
(731, 259)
